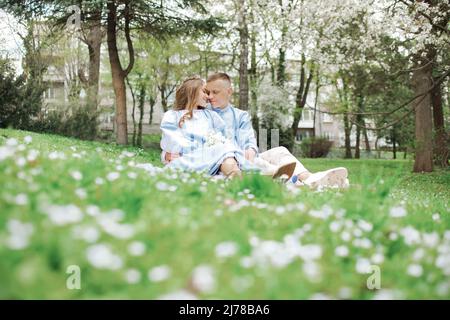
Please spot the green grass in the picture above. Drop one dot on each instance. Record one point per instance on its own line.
(242, 239)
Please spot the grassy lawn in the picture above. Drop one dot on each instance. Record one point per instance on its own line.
(139, 233)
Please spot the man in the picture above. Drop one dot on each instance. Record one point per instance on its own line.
(240, 130)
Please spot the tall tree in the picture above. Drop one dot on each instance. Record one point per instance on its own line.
(243, 55)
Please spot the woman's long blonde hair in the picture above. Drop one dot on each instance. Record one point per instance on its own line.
(186, 97)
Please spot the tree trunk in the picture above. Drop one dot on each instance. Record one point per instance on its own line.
(366, 137)
(141, 114)
(243, 66)
(359, 122)
(94, 41)
(133, 110)
(316, 102)
(152, 102)
(162, 90)
(358, 135)
(119, 74)
(394, 141)
(302, 94)
(421, 80)
(441, 151)
(281, 70)
(252, 73)
(347, 132)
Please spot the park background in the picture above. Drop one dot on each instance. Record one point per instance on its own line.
(361, 84)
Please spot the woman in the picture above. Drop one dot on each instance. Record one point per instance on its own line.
(198, 135)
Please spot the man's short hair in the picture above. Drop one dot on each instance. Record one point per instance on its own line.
(219, 76)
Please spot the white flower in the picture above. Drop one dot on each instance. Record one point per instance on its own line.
(21, 199)
(310, 252)
(320, 296)
(397, 212)
(346, 236)
(393, 236)
(162, 186)
(203, 279)
(365, 226)
(136, 248)
(76, 175)
(21, 161)
(357, 232)
(32, 155)
(81, 193)
(128, 154)
(377, 258)
(363, 265)
(213, 138)
(312, 271)
(418, 254)
(101, 257)
(246, 262)
(92, 210)
(345, 293)
(178, 295)
(62, 215)
(113, 176)
(411, 236)
(11, 142)
(99, 181)
(27, 139)
(341, 251)
(226, 249)
(335, 226)
(430, 240)
(443, 289)
(133, 276)
(120, 231)
(132, 175)
(386, 294)
(159, 273)
(415, 270)
(89, 234)
(5, 152)
(362, 243)
(324, 213)
(436, 217)
(19, 234)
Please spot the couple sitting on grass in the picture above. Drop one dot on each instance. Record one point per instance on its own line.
(218, 138)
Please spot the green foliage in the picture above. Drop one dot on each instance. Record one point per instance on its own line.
(315, 147)
(76, 121)
(20, 98)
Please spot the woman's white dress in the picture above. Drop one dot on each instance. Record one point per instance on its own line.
(200, 142)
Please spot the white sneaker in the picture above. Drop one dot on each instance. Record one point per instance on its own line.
(333, 178)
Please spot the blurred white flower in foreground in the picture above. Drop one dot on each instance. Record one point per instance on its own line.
(89, 234)
(159, 273)
(101, 257)
(133, 276)
(363, 265)
(76, 175)
(341, 251)
(62, 215)
(226, 249)
(397, 212)
(27, 139)
(178, 295)
(19, 234)
(136, 248)
(415, 270)
(203, 279)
